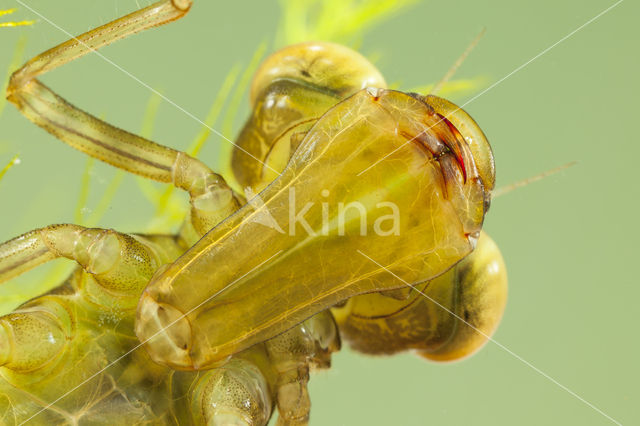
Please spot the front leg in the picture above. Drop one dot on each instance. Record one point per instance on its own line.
(211, 198)
(120, 264)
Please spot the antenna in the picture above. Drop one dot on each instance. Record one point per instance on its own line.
(506, 189)
(457, 63)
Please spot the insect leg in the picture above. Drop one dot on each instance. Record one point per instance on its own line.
(35, 334)
(245, 388)
(116, 268)
(120, 264)
(70, 336)
(211, 198)
(235, 394)
(292, 354)
(294, 404)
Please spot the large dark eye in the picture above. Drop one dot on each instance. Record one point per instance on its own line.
(471, 133)
(326, 66)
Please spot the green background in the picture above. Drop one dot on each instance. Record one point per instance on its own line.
(570, 241)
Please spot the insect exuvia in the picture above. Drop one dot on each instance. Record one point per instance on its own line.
(221, 323)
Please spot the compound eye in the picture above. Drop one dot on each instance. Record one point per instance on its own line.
(471, 133)
(326, 66)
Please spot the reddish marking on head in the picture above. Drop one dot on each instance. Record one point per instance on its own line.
(457, 152)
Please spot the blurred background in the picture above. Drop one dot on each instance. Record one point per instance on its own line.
(569, 240)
